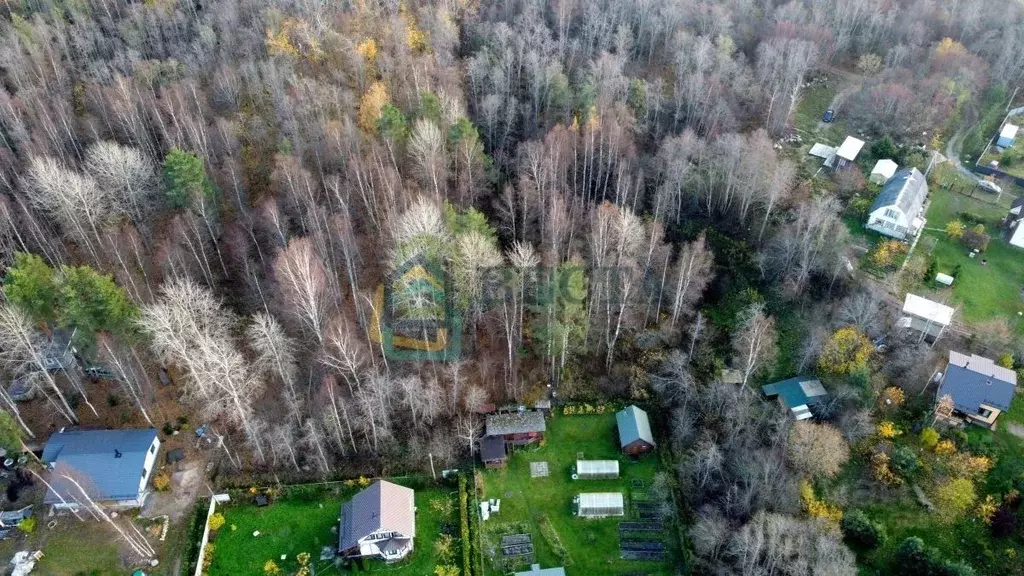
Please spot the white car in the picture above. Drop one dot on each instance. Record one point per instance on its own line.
(990, 186)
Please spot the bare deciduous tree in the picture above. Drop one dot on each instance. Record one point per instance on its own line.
(754, 342)
(303, 282)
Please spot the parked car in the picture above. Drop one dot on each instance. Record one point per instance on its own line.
(829, 116)
(990, 186)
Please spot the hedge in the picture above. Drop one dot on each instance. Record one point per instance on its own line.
(467, 565)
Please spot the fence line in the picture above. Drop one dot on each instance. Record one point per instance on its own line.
(206, 530)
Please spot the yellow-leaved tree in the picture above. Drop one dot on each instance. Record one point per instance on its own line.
(847, 351)
(370, 106)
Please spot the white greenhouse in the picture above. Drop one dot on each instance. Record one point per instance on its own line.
(599, 504)
(597, 469)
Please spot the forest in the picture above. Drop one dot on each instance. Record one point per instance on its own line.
(340, 228)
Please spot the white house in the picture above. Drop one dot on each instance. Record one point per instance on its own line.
(847, 152)
(898, 210)
(110, 467)
(1017, 234)
(925, 316)
(379, 522)
(1007, 135)
(883, 170)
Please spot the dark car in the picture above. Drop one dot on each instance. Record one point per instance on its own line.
(829, 116)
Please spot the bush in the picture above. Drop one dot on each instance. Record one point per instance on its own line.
(861, 531)
(162, 481)
(914, 558)
(27, 525)
(929, 438)
(216, 522)
(904, 460)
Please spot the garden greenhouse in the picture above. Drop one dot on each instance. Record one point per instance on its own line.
(597, 469)
(599, 504)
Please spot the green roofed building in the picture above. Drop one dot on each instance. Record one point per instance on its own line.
(635, 435)
(798, 395)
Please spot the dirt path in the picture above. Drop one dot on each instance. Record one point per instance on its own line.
(851, 83)
(956, 142)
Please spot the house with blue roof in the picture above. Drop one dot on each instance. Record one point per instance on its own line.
(898, 211)
(635, 435)
(798, 395)
(979, 389)
(110, 467)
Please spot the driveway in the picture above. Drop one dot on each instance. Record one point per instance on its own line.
(955, 144)
(178, 501)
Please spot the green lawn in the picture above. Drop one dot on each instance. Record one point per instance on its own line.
(76, 548)
(291, 526)
(592, 545)
(983, 291)
(814, 101)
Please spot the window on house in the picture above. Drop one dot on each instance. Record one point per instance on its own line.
(152, 448)
(890, 213)
(984, 412)
(144, 472)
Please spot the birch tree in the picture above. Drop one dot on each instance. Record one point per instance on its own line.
(302, 279)
(22, 349)
(275, 354)
(754, 342)
(189, 329)
(125, 174)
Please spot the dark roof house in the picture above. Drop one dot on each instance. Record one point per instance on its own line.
(634, 430)
(798, 394)
(492, 451)
(980, 389)
(113, 466)
(517, 427)
(379, 522)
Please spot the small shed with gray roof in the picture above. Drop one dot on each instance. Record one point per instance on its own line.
(112, 466)
(379, 522)
(798, 395)
(898, 211)
(979, 388)
(635, 435)
(517, 428)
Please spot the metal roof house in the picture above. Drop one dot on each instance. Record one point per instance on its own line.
(898, 211)
(517, 428)
(798, 395)
(883, 170)
(1007, 136)
(635, 435)
(379, 522)
(597, 469)
(599, 504)
(980, 389)
(847, 152)
(492, 451)
(112, 467)
(536, 570)
(926, 316)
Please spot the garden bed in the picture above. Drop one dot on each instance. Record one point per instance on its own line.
(542, 507)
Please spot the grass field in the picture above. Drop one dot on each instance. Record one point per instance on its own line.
(592, 546)
(291, 526)
(983, 291)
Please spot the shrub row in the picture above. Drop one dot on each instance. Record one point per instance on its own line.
(467, 566)
(551, 537)
(585, 408)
